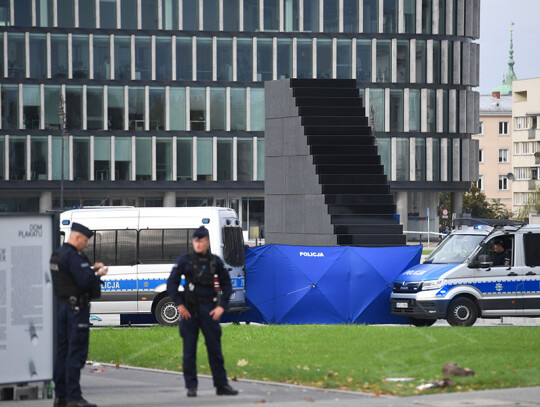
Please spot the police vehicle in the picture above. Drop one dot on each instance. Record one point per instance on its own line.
(140, 245)
(459, 282)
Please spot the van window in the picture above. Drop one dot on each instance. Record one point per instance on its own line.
(162, 246)
(531, 241)
(126, 247)
(113, 247)
(508, 245)
(105, 246)
(233, 246)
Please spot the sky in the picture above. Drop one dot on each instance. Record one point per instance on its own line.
(496, 18)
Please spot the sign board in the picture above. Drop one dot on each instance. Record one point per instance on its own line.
(26, 298)
(445, 213)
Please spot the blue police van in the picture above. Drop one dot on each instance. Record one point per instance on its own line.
(459, 281)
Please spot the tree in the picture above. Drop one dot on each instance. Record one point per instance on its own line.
(476, 204)
(500, 210)
(532, 204)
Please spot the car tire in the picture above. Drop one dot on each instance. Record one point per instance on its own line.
(421, 322)
(166, 312)
(462, 312)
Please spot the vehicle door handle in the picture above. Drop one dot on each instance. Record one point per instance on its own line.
(530, 273)
(512, 274)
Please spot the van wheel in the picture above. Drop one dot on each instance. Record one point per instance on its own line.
(462, 312)
(166, 313)
(421, 322)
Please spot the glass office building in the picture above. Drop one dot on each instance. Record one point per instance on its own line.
(164, 99)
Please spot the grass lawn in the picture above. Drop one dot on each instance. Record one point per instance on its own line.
(352, 357)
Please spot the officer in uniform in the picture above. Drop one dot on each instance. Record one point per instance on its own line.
(75, 283)
(500, 256)
(201, 308)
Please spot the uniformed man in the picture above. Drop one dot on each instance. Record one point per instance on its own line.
(75, 284)
(200, 308)
(500, 256)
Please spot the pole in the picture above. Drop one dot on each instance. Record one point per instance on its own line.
(62, 117)
(428, 226)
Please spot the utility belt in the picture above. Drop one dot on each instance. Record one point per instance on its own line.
(77, 303)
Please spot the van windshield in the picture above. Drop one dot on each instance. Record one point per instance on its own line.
(454, 249)
(233, 246)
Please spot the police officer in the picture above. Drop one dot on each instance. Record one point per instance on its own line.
(75, 284)
(200, 308)
(500, 256)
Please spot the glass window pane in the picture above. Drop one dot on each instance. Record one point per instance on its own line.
(292, 15)
(402, 61)
(409, 11)
(16, 55)
(81, 158)
(350, 16)
(2, 142)
(169, 14)
(2, 49)
(74, 107)
(126, 247)
(324, 58)
(376, 103)
(204, 158)
(143, 168)
(177, 106)
(102, 60)
(442, 17)
(450, 159)
(311, 15)
(244, 53)
(384, 62)
(217, 109)
(224, 59)
(44, 13)
(38, 158)
(143, 61)
(305, 58)
(224, 159)
(426, 16)
(52, 104)
(420, 157)
(102, 158)
(204, 59)
(330, 16)
(420, 61)
(157, 108)
(271, 15)
(370, 16)
(56, 160)
(245, 159)
(66, 13)
(197, 105)
(344, 59)
(264, 59)
(402, 159)
(384, 149)
(136, 108)
(128, 14)
(251, 15)
(431, 111)
(5, 19)
(10, 106)
(436, 62)
(59, 64)
(284, 58)
(210, 15)
(257, 109)
(80, 55)
(87, 14)
(190, 15)
(115, 107)
(184, 158)
(94, 115)
(436, 157)
(390, 16)
(149, 14)
(31, 107)
(122, 56)
(17, 157)
(238, 109)
(396, 110)
(122, 158)
(260, 159)
(23, 12)
(183, 59)
(445, 111)
(230, 15)
(414, 110)
(107, 11)
(163, 58)
(363, 60)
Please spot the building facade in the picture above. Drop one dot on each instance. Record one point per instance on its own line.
(164, 99)
(526, 141)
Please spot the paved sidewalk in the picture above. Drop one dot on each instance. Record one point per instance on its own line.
(135, 387)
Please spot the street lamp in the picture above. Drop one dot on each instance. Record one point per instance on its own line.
(62, 116)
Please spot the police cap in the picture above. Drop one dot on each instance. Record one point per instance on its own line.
(499, 242)
(200, 233)
(77, 227)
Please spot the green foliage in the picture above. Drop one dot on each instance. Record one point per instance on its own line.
(500, 210)
(532, 204)
(475, 203)
(352, 357)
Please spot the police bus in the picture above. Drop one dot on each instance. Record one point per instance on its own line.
(140, 245)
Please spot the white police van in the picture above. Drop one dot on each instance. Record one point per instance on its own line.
(458, 281)
(140, 245)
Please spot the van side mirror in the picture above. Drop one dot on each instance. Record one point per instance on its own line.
(483, 261)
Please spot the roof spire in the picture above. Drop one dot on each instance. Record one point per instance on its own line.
(505, 88)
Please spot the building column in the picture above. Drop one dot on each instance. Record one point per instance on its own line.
(402, 208)
(169, 199)
(457, 203)
(45, 201)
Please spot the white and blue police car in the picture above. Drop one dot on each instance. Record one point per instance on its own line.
(459, 281)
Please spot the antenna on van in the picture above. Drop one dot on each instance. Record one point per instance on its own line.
(101, 203)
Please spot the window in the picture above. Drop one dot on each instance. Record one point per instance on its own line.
(163, 58)
(66, 13)
(480, 155)
(122, 57)
(102, 159)
(244, 55)
(260, 159)
(420, 162)
(480, 182)
(233, 246)
(291, 15)
(257, 109)
(74, 107)
(162, 246)
(251, 15)
(31, 107)
(311, 15)
(113, 247)
(330, 16)
(143, 160)
(197, 109)
(38, 158)
(149, 14)
(170, 14)
(17, 157)
(523, 123)
(503, 183)
(271, 15)
(204, 158)
(94, 118)
(190, 15)
(136, 108)
(164, 158)
(224, 59)
(481, 128)
(156, 100)
(87, 14)
(390, 16)
(324, 58)
(184, 158)
(143, 66)
(304, 58)
(238, 109)
(81, 158)
(115, 107)
(128, 14)
(224, 158)
(122, 158)
(370, 16)
(107, 11)
(177, 105)
(402, 158)
(531, 241)
(245, 159)
(102, 60)
(503, 128)
(38, 56)
(384, 61)
(522, 173)
(204, 59)
(217, 109)
(230, 15)
(503, 155)
(264, 59)
(183, 59)
(363, 60)
(344, 59)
